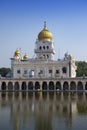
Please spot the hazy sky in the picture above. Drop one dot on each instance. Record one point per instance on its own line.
(22, 20)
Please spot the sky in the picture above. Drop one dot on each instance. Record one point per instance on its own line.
(22, 20)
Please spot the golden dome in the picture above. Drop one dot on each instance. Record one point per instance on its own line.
(45, 34)
(17, 53)
(25, 57)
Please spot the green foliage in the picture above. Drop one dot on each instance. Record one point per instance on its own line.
(81, 68)
(4, 71)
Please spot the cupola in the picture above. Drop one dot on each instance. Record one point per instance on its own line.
(45, 34)
(25, 57)
(17, 53)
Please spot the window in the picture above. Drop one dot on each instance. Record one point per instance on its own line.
(47, 47)
(41, 71)
(64, 69)
(50, 71)
(47, 56)
(40, 47)
(57, 71)
(44, 47)
(18, 71)
(25, 71)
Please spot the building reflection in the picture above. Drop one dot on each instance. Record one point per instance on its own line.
(41, 111)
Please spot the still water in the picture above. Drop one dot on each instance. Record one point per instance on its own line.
(43, 111)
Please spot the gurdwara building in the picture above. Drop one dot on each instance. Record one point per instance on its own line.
(43, 64)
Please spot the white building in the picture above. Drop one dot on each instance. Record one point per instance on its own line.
(43, 65)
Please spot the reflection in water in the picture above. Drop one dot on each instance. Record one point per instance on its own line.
(42, 110)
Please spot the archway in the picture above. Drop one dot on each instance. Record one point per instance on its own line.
(79, 86)
(30, 86)
(3, 86)
(24, 86)
(65, 86)
(58, 85)
(86, 86)
(44, 86)
(10, 86)
(51, 85)
(37, 85)
(16, 86)
(72, 85)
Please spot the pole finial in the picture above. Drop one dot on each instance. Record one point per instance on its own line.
(44, 24)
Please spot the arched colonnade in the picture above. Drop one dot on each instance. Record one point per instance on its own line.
(48, 85)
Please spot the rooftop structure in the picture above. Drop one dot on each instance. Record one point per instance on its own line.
(43, 65)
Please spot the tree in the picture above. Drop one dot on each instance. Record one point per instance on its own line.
(4, 71)
(81, 68)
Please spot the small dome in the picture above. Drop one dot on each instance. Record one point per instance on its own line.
(45, 34)
(17, 53)
(25, 57)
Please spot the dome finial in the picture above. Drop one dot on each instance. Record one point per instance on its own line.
(44, 24)
(45, 34)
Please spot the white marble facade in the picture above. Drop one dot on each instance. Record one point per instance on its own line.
(43, 64)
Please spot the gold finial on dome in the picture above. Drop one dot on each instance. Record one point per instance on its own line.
(45, 34)
(17, 53)
(25, 57)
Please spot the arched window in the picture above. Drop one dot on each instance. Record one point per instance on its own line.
(47, 47)
(16, 86)
(44, 47)
(57, 71)
(65, 86)
(47, 56)
(64, 69)
(37, 85)
(44, 86)
(40, 47)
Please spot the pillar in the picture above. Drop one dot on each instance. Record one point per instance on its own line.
(84, 83)
(6, 86)
(20, 85)
(61, 86)
(54, 86)
(69, 85)
(0, 86)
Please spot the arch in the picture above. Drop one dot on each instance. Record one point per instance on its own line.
(16, 86)
(10, 86)
(65, 86)
(47, 56)
(3, 86)
(58, 85)
(44, 47)
(24, 86)
(47, 47)
(40, 47)
(37, 85)
(51, 85)
(64, 69)
(79, 86)
(86, 86)
(72, 85)
(30, 85)
(44, 85)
